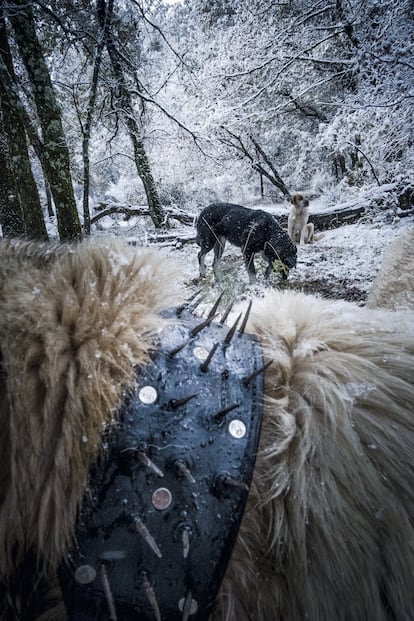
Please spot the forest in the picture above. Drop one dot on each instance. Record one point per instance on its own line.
(150, 110)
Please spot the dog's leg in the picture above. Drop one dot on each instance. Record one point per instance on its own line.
(249, 263)
(308, 233)
(201, 263)
(206, 243)
(218, 253)
(290, 229)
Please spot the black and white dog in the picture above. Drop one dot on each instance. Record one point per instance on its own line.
(252, 230)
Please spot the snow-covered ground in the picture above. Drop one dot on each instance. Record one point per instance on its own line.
(342, 263)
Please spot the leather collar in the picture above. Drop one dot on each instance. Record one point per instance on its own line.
(160, 519)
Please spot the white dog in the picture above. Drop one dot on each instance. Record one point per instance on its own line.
(299, 229)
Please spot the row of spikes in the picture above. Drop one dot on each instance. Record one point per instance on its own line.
(227, 340)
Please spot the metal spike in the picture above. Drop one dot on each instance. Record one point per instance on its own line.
(226, 480)
(151, 597)
(175, 403)
(249, 378)
(231, 332)
(187, 606)
(213, 310)
(184, 470)
(185, 538)
(146, 535)
(204, 365)
(175, 351)
(226, 313)
(245, 318)
(108, 593)
(202, 325)
(148, 463)
(187, 303)
(222, 413)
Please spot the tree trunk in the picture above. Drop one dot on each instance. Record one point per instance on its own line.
(17, 166)
(11, 215)
(56, 155)
(140, 157)
(104, 19)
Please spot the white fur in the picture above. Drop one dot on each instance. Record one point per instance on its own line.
(299, 229)
(393, 286)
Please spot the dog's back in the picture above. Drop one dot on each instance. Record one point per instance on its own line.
(228, 220)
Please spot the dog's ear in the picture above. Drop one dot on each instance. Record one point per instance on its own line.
(296, 199)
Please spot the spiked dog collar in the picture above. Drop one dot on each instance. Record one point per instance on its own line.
(165, 504)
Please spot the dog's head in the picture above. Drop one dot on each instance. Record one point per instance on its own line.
(299, 201)
(282, 252)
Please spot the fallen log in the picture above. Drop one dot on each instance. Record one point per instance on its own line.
(331, 220)
(128, 212)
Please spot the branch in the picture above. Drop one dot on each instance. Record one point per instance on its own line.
(363, 155)
(158, 29)
(280, 184)
(273, 176)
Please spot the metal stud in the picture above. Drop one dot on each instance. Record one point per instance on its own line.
(146, 535)
(229, 481)
(151, 597)
(226, 313)
(187, 303)
(148, 463)
(237, 428)
(148, 395)
(188, 606)
(185, 538)
(249, 378)
(85, 574)
(222, 413)
(108, 593)
(161, 498)
(204, 365)
(231, 332)
(176, 403)
(201, 325)
(245, 318)
(201, 353)
(177, 349)
(214, 308)
(184, 470)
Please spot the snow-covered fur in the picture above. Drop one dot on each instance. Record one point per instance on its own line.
(393, 286)
(328, 532)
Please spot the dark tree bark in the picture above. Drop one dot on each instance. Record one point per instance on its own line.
(22, 196)
(11, 215)
(55, 152)
(126, 109)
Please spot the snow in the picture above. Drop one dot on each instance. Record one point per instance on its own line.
(340, 264)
